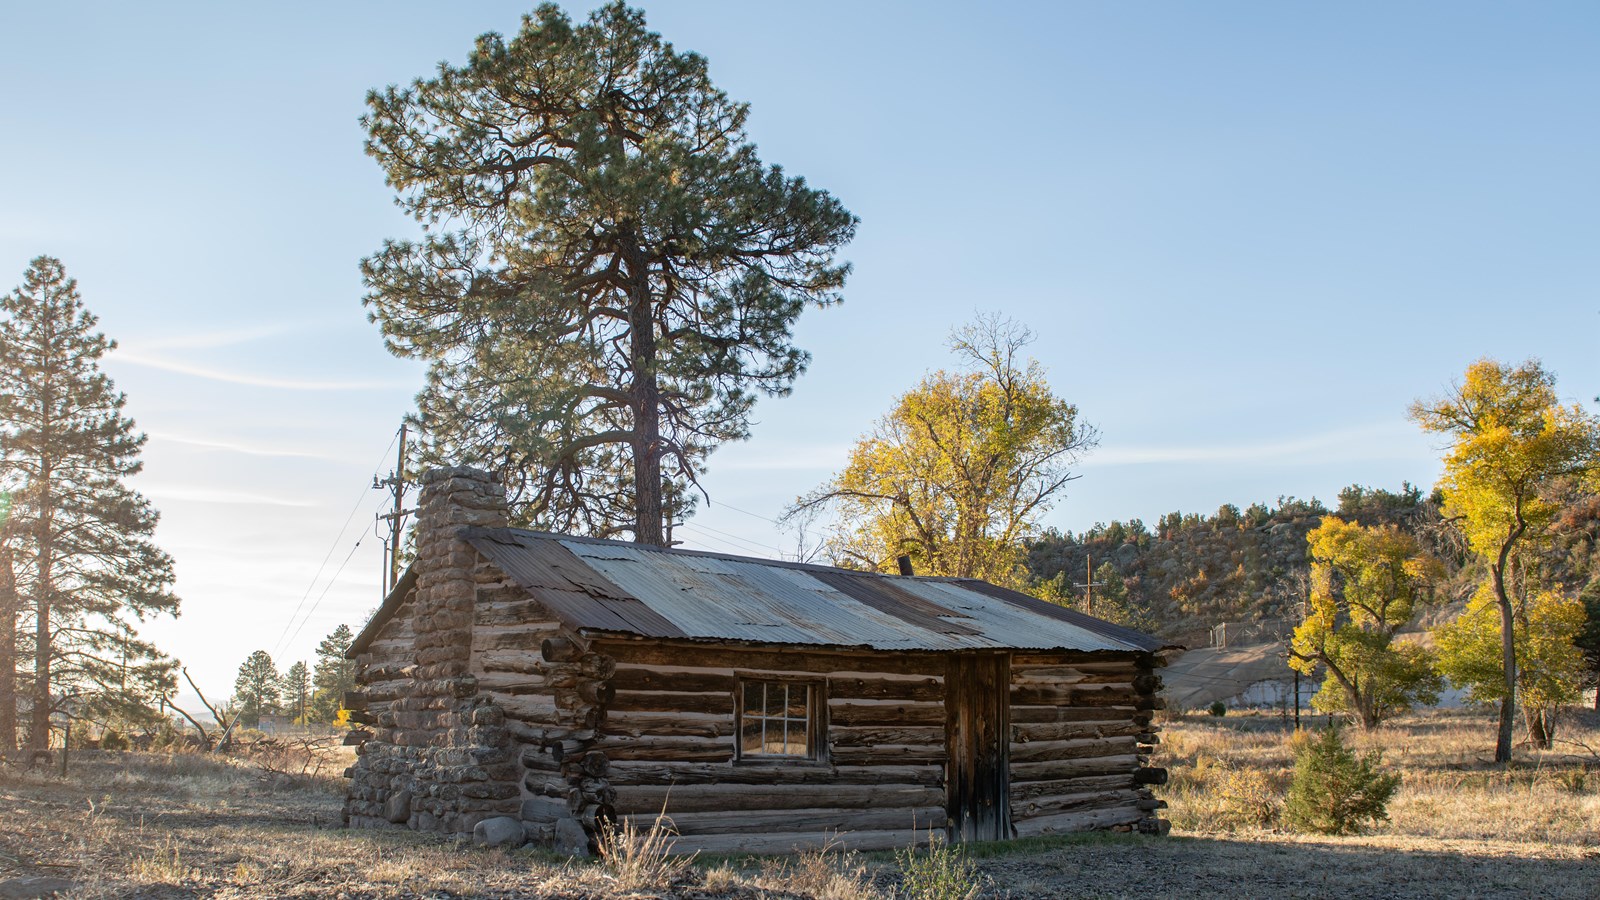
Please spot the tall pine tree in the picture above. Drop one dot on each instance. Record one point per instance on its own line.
(295, 690)
(608, 274)
(257, 688)
(333, 676)
(86, 570)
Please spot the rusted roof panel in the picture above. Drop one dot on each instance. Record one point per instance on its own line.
(655, 592)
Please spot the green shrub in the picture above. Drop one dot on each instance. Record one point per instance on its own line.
(111, 739)
(1219, 708)
(1333, 791)
(942, 872)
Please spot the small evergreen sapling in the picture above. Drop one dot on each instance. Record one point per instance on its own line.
(1333, 791)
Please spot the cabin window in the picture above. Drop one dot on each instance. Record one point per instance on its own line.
(777, 719)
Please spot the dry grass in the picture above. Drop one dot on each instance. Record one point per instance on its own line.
(1450, 791)
(171, 826)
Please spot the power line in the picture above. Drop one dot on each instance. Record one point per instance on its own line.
(733, 536)
(327, 587)
(365, 493)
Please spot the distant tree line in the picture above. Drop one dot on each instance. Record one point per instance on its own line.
(307, 695)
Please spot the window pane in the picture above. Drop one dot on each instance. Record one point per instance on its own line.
(797, 738)
(754, 691)
(750, 739)
(797, 701)
(777, 699)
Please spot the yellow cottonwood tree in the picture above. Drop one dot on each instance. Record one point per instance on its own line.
(1365, 586)
(1509, 441)
(1549, 663)
(957, 474)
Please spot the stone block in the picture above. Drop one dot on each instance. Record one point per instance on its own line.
(503, 831)
(398, 807)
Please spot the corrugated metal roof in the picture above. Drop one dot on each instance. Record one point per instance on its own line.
(657, 592)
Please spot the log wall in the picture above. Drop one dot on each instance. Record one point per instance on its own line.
(1082, 730)
(669, 737)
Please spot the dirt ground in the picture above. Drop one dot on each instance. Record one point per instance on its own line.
(155, 826)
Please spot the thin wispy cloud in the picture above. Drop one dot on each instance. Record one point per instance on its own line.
(253, 380)
(211, 339)
(1370, 442)
(219, 496)
(234, 447)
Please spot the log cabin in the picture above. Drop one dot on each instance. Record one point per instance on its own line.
(763, 706)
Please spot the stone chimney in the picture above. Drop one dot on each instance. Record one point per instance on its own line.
(439, 759)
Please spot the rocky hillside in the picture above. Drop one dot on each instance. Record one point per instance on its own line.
(1192, 571)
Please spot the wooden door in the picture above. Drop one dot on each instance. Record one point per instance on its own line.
(978, 741)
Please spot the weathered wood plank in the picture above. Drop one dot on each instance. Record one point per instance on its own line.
(1066, 731)
(1078, 821)
(621, 723)
(889, 754)
(1030, 790)
(791, 842)
(873, 735)
(671, 702)
(1059, 803)
(630, 772)
(1071, 768)
(885, 713)
(825, 819)
(690, 798)
(1080, 748)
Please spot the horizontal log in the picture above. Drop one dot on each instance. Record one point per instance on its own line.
(623, 723)
(1030, 790)
(1059, 803)
(671, 702)
(664, 773)
(539, 734)
(1075, 695)
(830, 819)
(924, 688)
(653, 678)
(508, 637)
(1080, 748)
(1090, 820)
(543, 809)
(791, 842)
(1034, 715)
(1070, 768)
(536, 708)
(889, 754)
(1066, 731)
(885, 712)
(697, 750)
(519, 662)
(872, 735)
(692, 798)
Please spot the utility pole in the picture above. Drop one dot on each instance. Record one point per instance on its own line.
(1088, 583)
(396, 516)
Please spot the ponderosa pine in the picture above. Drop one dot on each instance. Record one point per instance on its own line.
(608, 273)
(85, 568)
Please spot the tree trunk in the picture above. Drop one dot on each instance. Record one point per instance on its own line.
(646, 391)
(1541, 731)
(8, 650)
(39, 716)
(1508, 659)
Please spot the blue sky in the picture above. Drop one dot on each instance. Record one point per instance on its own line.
(1247, 234)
